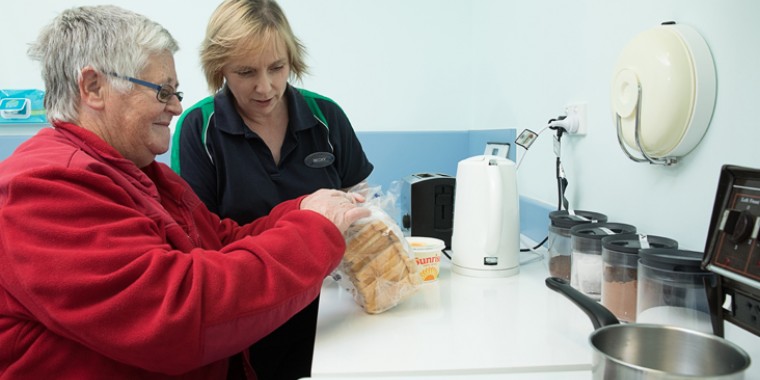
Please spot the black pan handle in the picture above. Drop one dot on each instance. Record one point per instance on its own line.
(599, 314)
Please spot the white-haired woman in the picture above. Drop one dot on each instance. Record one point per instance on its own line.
(110, 265)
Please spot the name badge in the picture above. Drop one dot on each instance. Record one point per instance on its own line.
(319, 160)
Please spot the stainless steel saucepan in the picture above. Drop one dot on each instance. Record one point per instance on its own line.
(652, 351)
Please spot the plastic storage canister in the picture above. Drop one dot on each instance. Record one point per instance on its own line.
(671, 289)
(559, 250)
(620, 261)
(586, 240)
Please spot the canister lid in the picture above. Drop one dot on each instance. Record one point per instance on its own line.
(631, 243)
(597, 231)
(563, 219)
(675, 260)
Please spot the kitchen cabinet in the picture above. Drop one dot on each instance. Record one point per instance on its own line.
(456, 327)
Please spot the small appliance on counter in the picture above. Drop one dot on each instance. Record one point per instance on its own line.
(486, 238)
(427, 206)
(732, 250)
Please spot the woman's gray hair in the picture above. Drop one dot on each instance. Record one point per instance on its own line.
(107, 38)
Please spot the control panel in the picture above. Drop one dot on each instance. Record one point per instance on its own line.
(733, 250)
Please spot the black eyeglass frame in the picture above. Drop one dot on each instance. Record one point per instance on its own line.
(160, 88)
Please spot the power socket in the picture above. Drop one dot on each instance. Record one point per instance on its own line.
(578, 112)
(747, 311)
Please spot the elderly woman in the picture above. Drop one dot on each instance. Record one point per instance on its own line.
(259, 141)
(110, 265)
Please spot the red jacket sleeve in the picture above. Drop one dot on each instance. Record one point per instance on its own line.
(80, 258)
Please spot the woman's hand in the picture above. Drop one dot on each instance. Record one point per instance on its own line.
(338, 206)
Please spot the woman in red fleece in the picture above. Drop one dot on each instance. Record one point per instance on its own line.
(110, 266)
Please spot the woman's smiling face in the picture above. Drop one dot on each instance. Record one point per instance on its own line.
(139, 123)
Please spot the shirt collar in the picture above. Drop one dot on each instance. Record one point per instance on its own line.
(228, 119)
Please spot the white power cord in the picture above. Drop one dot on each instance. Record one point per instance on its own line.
(563, 124)
(537, 256)
(517, 167)
(570, 124)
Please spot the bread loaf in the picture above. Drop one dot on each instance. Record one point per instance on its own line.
(379, 267)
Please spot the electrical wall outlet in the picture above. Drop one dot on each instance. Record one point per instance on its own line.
(578, 111)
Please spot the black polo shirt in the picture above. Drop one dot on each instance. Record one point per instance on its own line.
(236, 175)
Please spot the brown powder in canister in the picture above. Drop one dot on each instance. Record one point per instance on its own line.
(619, 292)
(559, 266)
(620, 254)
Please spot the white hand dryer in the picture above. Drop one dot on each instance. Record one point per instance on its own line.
(485, 239)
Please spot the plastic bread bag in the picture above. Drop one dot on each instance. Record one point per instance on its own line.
(378, 268)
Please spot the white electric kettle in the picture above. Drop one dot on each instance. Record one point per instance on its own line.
(485, 240)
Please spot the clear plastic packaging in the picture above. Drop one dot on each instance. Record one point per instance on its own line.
(25, 106)
(379, 267)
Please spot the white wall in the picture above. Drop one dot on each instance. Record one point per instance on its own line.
(538, 61)
(486, 64)
(390, 64)
(22, 21)
(446, 65)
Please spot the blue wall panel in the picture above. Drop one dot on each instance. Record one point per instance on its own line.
(398, 154)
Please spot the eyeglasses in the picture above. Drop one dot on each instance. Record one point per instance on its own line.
(163, 92)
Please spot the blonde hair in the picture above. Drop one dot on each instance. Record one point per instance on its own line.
(236, 24)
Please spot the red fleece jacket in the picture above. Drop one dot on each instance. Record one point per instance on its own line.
(112, 272)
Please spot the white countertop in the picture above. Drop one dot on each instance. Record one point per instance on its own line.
(564, 375)
(456, 326)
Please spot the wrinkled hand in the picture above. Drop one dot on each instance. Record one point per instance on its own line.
(336, 205)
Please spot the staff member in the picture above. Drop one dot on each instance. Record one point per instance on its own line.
(259, 141)
(110, 265)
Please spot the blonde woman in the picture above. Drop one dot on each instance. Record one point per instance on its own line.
(259, 141)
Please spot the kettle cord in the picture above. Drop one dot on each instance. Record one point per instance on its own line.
(561, 185)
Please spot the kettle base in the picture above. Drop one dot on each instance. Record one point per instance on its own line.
(488, 273)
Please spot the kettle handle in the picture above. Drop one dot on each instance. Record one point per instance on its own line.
(495, 210)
